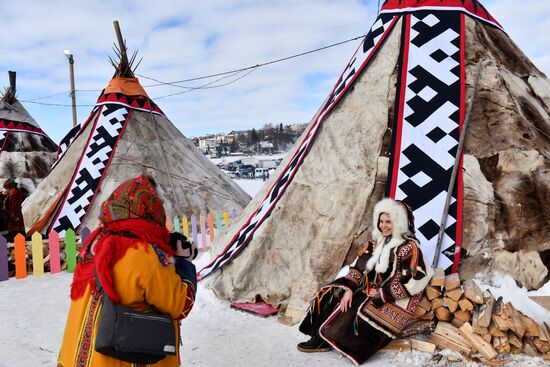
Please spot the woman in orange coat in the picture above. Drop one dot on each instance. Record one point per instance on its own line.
(131, 255)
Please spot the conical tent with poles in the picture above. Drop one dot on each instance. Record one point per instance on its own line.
(391, 126)
(126, 134)
(26, 152)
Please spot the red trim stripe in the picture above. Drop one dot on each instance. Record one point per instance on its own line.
(459, 182)
(402, 92)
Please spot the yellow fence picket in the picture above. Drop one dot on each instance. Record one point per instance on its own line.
(37, 254)
(185, 226)
(226, 218)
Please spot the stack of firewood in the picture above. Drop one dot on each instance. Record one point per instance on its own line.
(470, 321)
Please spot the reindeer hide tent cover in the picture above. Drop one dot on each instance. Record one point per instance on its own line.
(391, 126)
(125, 135)
(26, 152)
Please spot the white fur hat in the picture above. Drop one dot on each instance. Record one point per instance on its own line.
(400, 215)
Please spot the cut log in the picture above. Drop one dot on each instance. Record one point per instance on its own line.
(444, 342)
(454, 294)
(419, 311)
(531, 327)
(427, 316)
(451, 333)
(443, 314)
(542, 346)
(499, 308)
(473, 292)
(515, 342)
(494, 329)
(515, 317)
(483, 318)
(546, 356)
(477, 342)
(425, 304)
(452, 281)
(496, 362)
(418, 328)
(398, 345)
(464, 316)
(437, 303)
(439, 278)
(502, 323)
(409, 344)
(465, 304)
(544, 332)
(503, 347)
(450, 304)
(432, 293)
(457, 322)
(529, 348)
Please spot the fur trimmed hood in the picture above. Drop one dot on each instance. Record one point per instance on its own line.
(399, 217)
(403, 230)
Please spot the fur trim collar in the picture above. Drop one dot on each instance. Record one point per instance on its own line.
(380, 259)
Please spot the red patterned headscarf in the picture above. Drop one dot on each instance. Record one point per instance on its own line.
(132, 215)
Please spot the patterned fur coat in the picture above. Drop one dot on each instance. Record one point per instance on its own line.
(396, 267)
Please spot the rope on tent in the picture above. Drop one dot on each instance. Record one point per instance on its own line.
(458, 158)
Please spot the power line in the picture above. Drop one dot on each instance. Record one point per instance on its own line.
(224, 75)
(250, 67)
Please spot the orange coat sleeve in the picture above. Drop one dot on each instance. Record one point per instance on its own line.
(168, 292)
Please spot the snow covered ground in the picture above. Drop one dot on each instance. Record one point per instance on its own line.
(33, 313)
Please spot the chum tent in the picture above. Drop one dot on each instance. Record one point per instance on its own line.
(126, 134)
(391, 127)
(26, 151)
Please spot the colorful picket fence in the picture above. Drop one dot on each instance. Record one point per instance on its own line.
(61, 252)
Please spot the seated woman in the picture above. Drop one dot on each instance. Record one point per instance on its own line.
(362, 312)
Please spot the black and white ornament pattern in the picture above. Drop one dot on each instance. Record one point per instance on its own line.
(106, 133)
(429, 121)
(362, 57)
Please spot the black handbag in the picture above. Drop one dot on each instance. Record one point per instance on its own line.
(132, 336)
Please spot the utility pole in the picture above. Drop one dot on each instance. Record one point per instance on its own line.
(70, 57)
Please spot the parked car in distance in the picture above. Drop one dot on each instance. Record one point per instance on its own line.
(258, 172)
(246, 171)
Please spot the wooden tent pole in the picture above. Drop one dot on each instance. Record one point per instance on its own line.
(455, 170)
(121, 44)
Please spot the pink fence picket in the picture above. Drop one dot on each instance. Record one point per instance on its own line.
(4, 275)
(55, 262)
(203, 231)
(233, 215)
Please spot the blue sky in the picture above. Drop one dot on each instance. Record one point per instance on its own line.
(183, 39)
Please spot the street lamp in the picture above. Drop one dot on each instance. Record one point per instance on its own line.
(69, 56)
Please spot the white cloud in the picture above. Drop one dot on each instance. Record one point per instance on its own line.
(182, 39)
